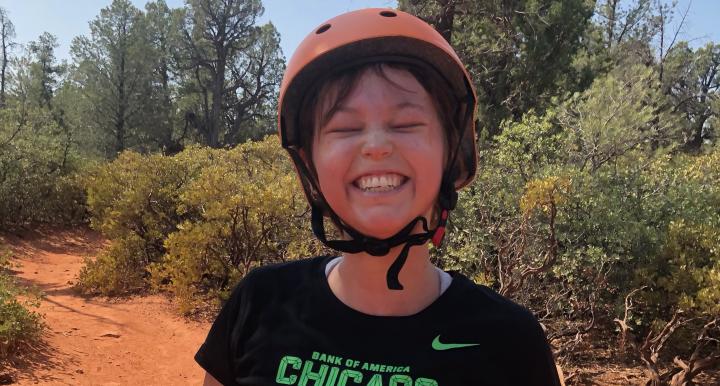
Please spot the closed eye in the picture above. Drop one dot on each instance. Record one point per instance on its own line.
(344, 130)
(408, 126)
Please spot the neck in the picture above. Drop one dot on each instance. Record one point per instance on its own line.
(360, 281)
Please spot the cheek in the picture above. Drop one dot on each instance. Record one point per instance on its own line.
(331, 164)
(430, 158)
(430, 151)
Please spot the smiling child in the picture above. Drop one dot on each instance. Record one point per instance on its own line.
(376, 112)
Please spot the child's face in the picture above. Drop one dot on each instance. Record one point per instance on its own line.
(379, 159)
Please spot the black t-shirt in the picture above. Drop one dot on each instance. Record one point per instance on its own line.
(283, 326)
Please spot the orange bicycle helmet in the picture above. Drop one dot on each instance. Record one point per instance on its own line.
(353, 39)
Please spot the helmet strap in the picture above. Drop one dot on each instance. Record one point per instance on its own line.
(381, 247)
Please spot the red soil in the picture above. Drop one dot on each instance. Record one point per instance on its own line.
(97, 341)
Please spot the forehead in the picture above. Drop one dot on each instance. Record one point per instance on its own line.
(372, 84)
(393, 82)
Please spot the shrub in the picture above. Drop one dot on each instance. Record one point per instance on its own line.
(19, 325)
(251, 212)
(119, 270)
(196, 222)
(133, 201)
(39, 186)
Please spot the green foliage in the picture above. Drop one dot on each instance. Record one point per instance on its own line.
(236, 64)
(618, 113)
(684, 269)
(114, 69)
(568, 216)
(489, 208)
(686, 272)
(43, 70)
(38, 172)
(250, 212)
(196, 222)
(119, 270)
(133, 201)
(516, 51)
(39, 160)
(692, 79)
(19, 325)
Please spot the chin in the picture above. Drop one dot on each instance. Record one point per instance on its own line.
(382, 234)
(381, 228)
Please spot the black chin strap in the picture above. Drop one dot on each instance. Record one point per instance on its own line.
(381, 247)
(393, 272)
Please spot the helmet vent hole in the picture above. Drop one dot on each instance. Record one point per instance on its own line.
(323, 29)
(388, 14)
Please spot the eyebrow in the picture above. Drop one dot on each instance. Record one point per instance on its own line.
(401, 105)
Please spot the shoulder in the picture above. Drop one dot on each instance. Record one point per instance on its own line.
(279, 278)
(289, 272)
(517, 339)
(496, 310)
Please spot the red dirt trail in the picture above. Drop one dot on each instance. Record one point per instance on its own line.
(98, 341)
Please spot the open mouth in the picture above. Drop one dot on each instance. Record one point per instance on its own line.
(380, 183)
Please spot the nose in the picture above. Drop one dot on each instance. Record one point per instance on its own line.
(377, 144)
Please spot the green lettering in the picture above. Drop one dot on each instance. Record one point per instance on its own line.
(374, 367)
(425, 382)
(295, 363)
(376, 380)
(308, 374)
(346, 374)
(401, 380)
(332, 377)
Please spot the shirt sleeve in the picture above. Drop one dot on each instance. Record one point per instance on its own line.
(218, 354)
(539, 362)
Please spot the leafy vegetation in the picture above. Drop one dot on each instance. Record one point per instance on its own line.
(196, 222)
(19, 325)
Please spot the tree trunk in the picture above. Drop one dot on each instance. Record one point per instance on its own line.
(446, 18)
(122, 108)
(696, 136)
(3, 69)
(216, 109)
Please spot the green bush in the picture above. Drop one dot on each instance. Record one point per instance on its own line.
(195, 223)
(682, 271)
(251, 212)
(133, 201)
(19, 325)
(39, 179)
(119, 270)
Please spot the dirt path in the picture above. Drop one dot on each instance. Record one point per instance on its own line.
(99, 341)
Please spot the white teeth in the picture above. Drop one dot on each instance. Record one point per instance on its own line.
(382, 183)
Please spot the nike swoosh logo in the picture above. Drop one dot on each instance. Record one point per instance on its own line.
(437, 345)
